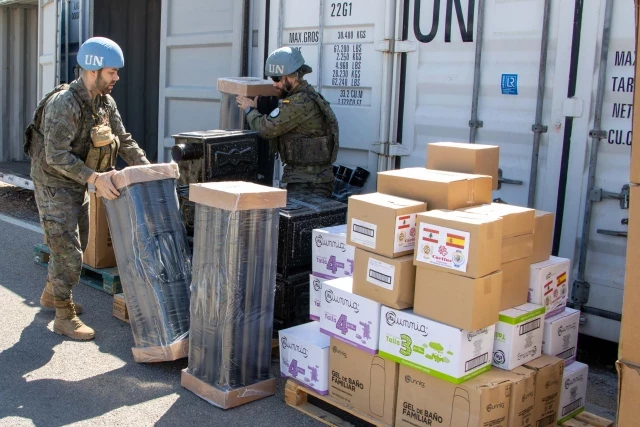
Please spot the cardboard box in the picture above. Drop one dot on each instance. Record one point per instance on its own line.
(628, 394)
(363, 382)
(237, 195)
(315, 297)
(247, 86)
(458, 242)
(549, 371)
(99, 252)
(549, 284)
(519, 247)
(523, 396)
(227, 399)
(516, 220)
(445, 352)
(120, 308)
(574, 391)
(427, 401)
(332, 257)
(349, 317)
(438, 189)
(304, 356)
(383, 224)
(561, 335)
(458, 301)
(515, 283)
(543, 236)
(518, 336)
(389, 281)
(466, 158)
(629, 350)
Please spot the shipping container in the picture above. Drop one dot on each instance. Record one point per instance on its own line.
(545, 80)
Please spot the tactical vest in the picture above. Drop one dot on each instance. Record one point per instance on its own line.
(299, 151)
(99, 158)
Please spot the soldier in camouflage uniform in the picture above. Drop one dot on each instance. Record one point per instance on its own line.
(74, 140)
(303, 127)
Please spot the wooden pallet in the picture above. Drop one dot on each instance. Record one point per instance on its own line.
(296, 396)
(103, 279)
(586, 419)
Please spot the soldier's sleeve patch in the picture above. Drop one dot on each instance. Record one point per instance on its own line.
(286, 101)
(275, 113)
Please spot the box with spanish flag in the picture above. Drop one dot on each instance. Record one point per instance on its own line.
(549, 285)
(460, 243)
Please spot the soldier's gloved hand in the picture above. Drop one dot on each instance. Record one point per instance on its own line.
(244, 102)
(104, 186)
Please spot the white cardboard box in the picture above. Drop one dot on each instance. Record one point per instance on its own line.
(332, 257)
(442, 351)
(304, 356)
(315, 297)
(561, 335)
(549, 284)
(518, 337)
(574, 391)
(348, 317)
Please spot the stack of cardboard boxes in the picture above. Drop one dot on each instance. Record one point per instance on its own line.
(444, 285)
(629, 351)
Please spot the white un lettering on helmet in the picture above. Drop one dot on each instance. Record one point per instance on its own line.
(276, 68)
(94, 60)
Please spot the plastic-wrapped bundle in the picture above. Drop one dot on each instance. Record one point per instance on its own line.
(233, 289)
(154, 260)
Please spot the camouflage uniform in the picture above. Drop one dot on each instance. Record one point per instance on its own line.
(305, 132)
(58, 152)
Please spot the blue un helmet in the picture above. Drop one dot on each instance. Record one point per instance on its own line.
(285, 61)
(99, 52)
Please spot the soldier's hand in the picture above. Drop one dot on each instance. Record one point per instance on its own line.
(104, 186)
(244, 102)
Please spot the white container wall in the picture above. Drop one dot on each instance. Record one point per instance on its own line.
(18, 76)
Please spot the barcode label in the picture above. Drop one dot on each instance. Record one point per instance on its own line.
(363, 230)
(474, 363)
(531, 326)
(571, 407)
(546, 421)
(567, 353)
(380, 277)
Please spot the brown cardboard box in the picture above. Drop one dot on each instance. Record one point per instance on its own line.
(628, 394)
(383, 224)
(516, 220)
(515, 283)
(237, 195)
(438, 189)
(523, 395)
(424, 400)
(549, 372)
(515, 248)
(458, 301)
(458, 242)
(99, 252)
(247, 86)
(466, 158)
(362, 381)
(630, 329)
(543, 236)
(389, 281)
(120, 308)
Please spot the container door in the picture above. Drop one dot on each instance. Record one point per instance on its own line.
(48, 46)
(344, 43)
(201, 40)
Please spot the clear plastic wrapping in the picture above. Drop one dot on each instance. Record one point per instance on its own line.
(154, 260)
(232, 295)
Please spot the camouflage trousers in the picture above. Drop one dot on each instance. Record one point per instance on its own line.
(323, 189)
(64, 216)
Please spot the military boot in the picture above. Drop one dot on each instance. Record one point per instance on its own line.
(46, 299)
(67, 322)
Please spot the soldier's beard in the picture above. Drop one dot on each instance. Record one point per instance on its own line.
(103, 86)
(287, 87)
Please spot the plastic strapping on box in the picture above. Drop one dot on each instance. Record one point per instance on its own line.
(154, 259)
(233, 291)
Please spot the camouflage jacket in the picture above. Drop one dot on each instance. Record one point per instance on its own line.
(58, 159)
(299, 116)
